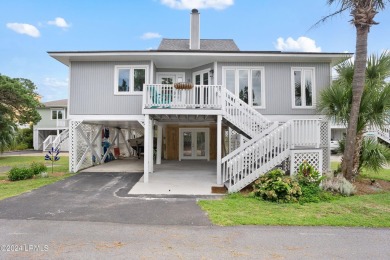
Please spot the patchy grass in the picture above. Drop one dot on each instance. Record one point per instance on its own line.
(9, 189)
(383, 174)
(237, 209)
(14, 188)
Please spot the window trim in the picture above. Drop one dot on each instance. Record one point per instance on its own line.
(313, 88)
(131, 91)
(57, 109)
(236, 84)
(201, 72)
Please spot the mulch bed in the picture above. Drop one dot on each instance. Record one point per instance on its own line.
(368, 186)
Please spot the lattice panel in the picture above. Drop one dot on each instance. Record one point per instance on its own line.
(325, 159)
(313, 157)
(325, 144)
(83, 153)
(73, 144)
(324, 132)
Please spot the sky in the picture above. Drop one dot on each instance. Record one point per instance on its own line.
(29, 29)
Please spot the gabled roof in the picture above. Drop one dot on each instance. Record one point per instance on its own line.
(56, 103)
(205, 45)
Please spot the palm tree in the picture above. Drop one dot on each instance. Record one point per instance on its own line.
(363, 13)
(374, 108)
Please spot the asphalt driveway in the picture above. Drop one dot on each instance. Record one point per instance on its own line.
(101, 197)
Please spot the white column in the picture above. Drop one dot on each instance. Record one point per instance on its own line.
(146, 149)
(159, 144)
(151, 149)
(219, 149)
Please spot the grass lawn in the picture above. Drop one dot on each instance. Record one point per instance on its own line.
(9, 189)
(383, 174)
(365, 211)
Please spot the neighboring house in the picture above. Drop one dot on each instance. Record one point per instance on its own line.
(53, 124)
(250, 111)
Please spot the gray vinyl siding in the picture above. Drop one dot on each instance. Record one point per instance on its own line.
(92, 90)
(278, 92)
(46, 121)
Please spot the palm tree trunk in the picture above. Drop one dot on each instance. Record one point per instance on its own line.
(357, 92)
(356, 158)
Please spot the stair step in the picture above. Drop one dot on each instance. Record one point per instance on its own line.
(218, 189)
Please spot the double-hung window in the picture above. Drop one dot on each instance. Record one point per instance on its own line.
(57, 114)
(130, 79)
(247, 83)
(303, 87)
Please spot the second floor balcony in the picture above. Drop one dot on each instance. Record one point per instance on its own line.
(182, 97)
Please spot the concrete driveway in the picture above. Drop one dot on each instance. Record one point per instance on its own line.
(101, 197)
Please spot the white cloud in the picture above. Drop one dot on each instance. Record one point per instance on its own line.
(24, 28)
(150, 35)
(303, 44)
(56, 83)
(59, 22)
(200, 4)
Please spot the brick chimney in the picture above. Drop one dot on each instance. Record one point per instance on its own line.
(195, 30)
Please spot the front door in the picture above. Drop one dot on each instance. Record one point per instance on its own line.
(194, 143)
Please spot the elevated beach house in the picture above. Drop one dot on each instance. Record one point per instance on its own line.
(200, 99)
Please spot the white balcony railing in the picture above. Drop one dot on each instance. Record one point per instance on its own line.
(62, 123)
(167, 96)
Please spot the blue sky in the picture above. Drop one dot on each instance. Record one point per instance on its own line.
(29, 29)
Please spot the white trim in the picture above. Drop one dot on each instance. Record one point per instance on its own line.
(207, 143)
(236, 75)
(107, 117)
(69, 81)
(215, 78)
(131, 79)
(169, 74)
(151, 76)
(303, 93)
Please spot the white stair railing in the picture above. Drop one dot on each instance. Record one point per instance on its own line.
(47, 144)
(384, 133)
(245, 117)
(60, 138)
(260, 155)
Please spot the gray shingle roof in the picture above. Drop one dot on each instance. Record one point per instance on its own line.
(205, 45)
(56, 103)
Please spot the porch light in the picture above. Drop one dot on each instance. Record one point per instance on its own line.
(211, 73)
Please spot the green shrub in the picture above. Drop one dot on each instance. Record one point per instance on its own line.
(21, 146)
(38, 168)
(308, 175)
(16, 174)
(309, 179)
(275, 186)
(339, 185)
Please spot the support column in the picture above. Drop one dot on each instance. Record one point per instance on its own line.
(146, 148)
(151, 145)
(159, 144)
(219, 149)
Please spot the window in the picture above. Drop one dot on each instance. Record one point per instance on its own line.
(57, 114)
(130, 79)
(303, 87)
(247, 83)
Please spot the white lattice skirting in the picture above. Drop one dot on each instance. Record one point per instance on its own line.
(313, 157)
(86, 145)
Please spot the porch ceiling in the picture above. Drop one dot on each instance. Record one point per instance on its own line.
(120, 124)
(185, 118)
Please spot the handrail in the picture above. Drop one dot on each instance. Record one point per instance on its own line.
(167, 96)
(245, 164)
(244, 116)
(48, 141)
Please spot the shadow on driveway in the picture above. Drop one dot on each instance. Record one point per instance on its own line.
(101, 197)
